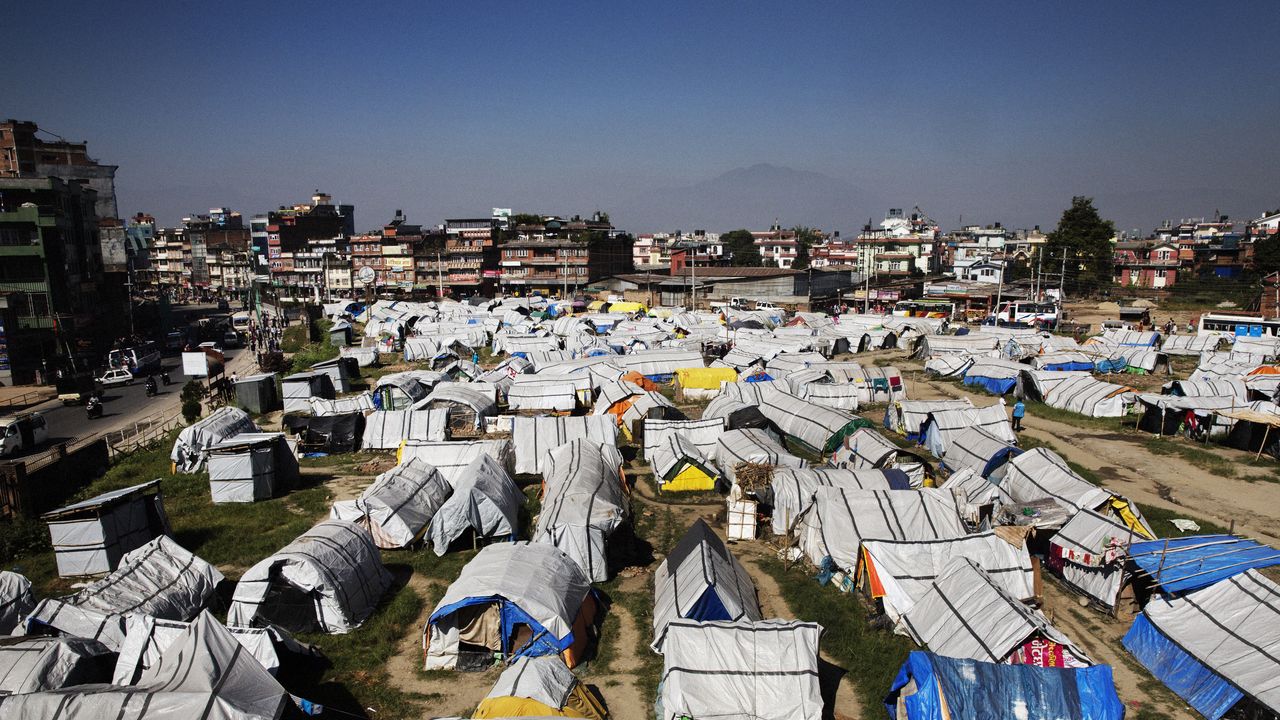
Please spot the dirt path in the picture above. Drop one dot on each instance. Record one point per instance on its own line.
(622, 695)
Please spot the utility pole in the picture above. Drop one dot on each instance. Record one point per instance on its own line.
(1039, 273)
(693, 274)
(866, 280)
(439, 278)
(1062, 279)
(128, 288)
(1000, 295)
(564, 282)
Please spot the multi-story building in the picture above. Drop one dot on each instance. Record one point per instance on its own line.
(776, 246)
(288, 229)
(206, 237)
(467, 262)
(902, 245)
(559, 257)
(972, 245)
(1265, 225)
(391, 254)
(1147, 263)
(23, 155)
(652, 251)
(1026, 245)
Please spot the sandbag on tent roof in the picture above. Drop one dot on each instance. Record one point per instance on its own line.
(583, 504)
(328, 434)
(899, 573)
(1189, 563)
(704, 434)
(906, 416)
(204, 675)
(251, 467)
(452, 458)
(191, 448)
(562, 393)
(485, 501)
(1090, 553)
(791, 489)
(942, 427)
(468, 406)
(979, 450)
(701, 580)
(323, 407)
(161, 579)
(679, 465)
(840, 519)
(751, 446)
(993, 375)
(513, 600)
(329, 579)
(966, 614)
(16, 600)
(389, 428)
(1215, 646)
(764, 670)
(36, 664)
(867, 449)
(1080, 392)
(934, 687)
(535, 437)
(539, 687)
(818, 428)
(399, 505)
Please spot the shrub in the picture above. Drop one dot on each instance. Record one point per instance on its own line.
(190, 409)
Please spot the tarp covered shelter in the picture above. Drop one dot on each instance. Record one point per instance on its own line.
(764, 670)
(679, 465)
(387, 429)
(694, 383)
(840, 519)
(735, 414)
(161, 579)
(360, 402)
(1042, 474)
(1090, 551)
(751, 446)
(16, 600)
(299, 388)
(942, 427)
(791, 491)
(485, 501)
(1078, 392)
(251, 467)
(258, 393)
(399, 505)
(900, 572)
(560, 393)
(535, 437)
(966, 614)
(403, 390)
(818, 428)
(91, 536)
(659, 365)
(513, 599)
(328, 434)
(1189, 563)
(147, 639)
(540, 686)
(934, 687)
(906, 416)
(205, 674)
(1215, 646)
(191, 448)
(979, 450)
(867, 449)
(468, 406)
(704, 434)
(583, 504)
(452, 458)
(36, 664)
(701, 580)
(329, 579)
(994, 375)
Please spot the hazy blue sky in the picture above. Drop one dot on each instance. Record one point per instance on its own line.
(993, 112)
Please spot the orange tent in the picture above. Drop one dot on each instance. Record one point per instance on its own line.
(638, 379)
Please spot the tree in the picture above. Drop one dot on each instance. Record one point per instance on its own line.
(741, 248)
(806, 237)
(1266, 254)
(1084, 238)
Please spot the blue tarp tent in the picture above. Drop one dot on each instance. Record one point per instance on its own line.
(1187, 563)
(1202, 688)
(965, 689)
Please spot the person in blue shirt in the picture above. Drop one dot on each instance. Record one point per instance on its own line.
(1018, 411)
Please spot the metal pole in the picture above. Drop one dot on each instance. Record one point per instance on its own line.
(866, 280)
(1039, 273)
(693, 274)
(1062, 280)
(1000, 296)
(439, 278)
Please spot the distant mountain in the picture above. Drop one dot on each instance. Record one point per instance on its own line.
(751, 197)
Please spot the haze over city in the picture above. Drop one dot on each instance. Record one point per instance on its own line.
(704, 115)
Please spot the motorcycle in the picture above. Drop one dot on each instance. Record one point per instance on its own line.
(151, 387)
(164, 378)
(94, 408)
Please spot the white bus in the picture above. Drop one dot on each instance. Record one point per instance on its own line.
(240, 321)
(1028, 313)
(1234, 324)
(924, 309)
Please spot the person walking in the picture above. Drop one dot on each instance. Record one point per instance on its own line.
(1018, 411)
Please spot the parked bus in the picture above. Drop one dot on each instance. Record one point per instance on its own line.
(924, 309)
(240, 321)
(139, 359)
(1235, 324)
(1028, 313)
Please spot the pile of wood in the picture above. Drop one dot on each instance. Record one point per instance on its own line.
(754, 477)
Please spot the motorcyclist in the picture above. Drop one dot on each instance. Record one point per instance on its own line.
(164, 378)
(151, 385)
(93, 408)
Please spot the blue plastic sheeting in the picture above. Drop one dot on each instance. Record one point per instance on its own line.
(1113, 365)
(973, 689)
(1069, 366)
(1202, 688)
(1200, 560)
(997, 386)
(1003, 456)
(709, 607)
(758, 377)
(543, 642)
(897, 479)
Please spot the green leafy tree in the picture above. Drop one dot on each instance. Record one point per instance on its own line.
(740, 246)
(1085, 239)
(806, 237)
(1266, 254)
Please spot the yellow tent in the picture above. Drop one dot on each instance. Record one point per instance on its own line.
(691, 477)
(580, 704)
(705, 378)
(627, 307)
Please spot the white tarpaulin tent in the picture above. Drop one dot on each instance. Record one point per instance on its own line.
(763, 670)
(906, 416)
(299, 388)
(462, 400)
(1093, 549)
(704, 434)
(387, 429)
(328, 579)
(535, 437)
(867, 449)
(452, 458)
(751, 446)
(35, 664)
(399, 505)
(1041, 473)
(659, 364)
(16, 600)
(966, 614)
(92, 536)
(561, 393)
(678, 464)
(251, 467)
(942, 427)
(485, 501)
(583, 504)
(977, 449)
(793, 489)
(701, 580)
(840, 519)
(205, 674)
(821, 429)
(1079, 392)
(901, 572)
(193, 443)
(147, 639)
(325, 407)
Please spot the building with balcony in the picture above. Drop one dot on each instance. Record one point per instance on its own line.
(902, 245)
(468, 262)
(653, 251)
(972, 245)
(1147, 263)
(561, 267)
(288, 229)
(776, 246)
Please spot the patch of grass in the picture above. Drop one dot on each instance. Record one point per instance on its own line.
(1203, 459)
(1035, 409)
(1160, 518)
(870, 656)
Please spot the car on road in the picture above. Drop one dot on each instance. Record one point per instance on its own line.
(22, 432)
(231, 339)
(223, 306)
(115, 376)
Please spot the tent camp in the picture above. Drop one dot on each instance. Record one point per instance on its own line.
(1077, 392)
(704, 434)
(867, 449)
(468, 406)
(899, 573)
(583, 504)
(389, 428)
(485, 502)
(452, 458)
(328, 580)
(751, 446)
(161, 579)
(820, 429)
(764, 670)
(540, 686)
(560, 393)
(966, 614)
(148, 639)
(37, 664)
(205, 674)
(535, 437)
(512, 600)
(840, 519)
(399, 505)
(92, 536)
(191, 448)
(251, 467)
(791, 491)
(1090, 553)
(16, 600)
(680, 465)
(1180, 564)
(979, 450)
(701, 580)
(906, 416)
(299, 388)
(328, 434)
(934, 687)
(1215, 647)
(942, 427)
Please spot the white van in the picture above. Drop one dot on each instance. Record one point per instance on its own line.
(22, 432)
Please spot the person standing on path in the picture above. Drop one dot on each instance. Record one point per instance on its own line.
(1018, 411)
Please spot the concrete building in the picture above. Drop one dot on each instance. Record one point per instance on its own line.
(561, 257)
(287, 229)
(1147, 263)
(902, 245)
(652, 251)
(794, 289)
(776, 246)
(24, 155)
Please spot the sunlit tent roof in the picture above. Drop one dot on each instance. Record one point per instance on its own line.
(979, 450)
(452, 458)
(191, 448)
(583, 504)
(1092, 549)
(535, 437)
(540, 686)
(485, 501)
(324, 407)
(148, 639)
(751, 446)
(701, 580)
(399, 505)
(386, 429)
(659, 363)
(1189, 563)
(1041, 473)
(942, 427)
(1216, 645)
(819, 428)
(703, 434)
(548, 392)
(906, 416)
(16, 600)
(1078, 392)
(793, 488)
(993, 374)
(38, 663)
(867, 449)
(734, 413)
(841, 519)
(766, 669)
